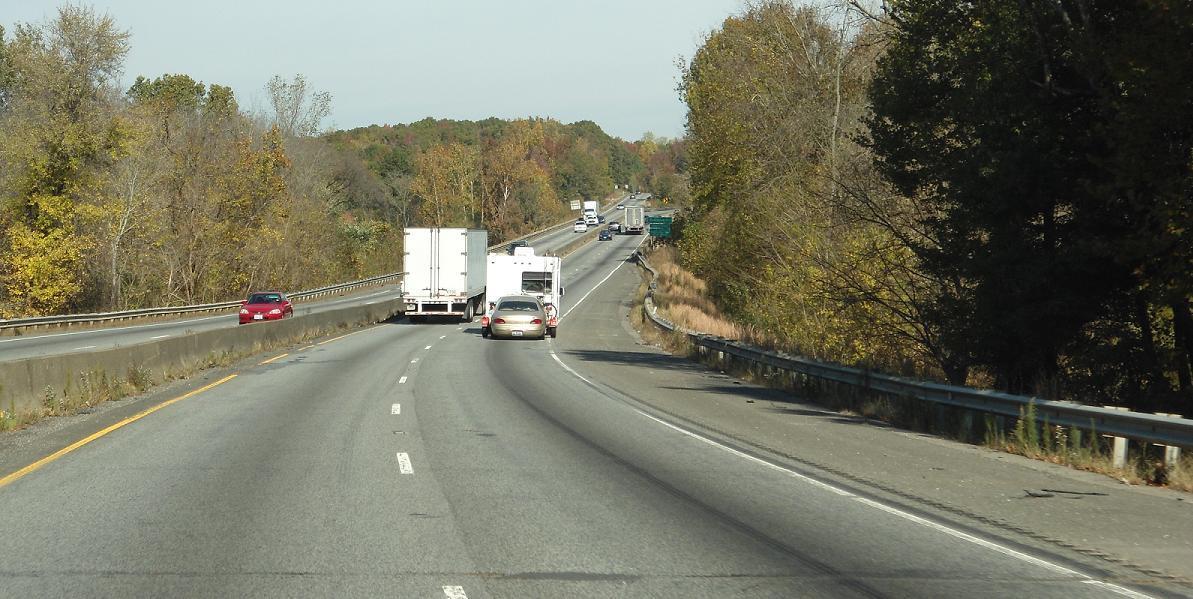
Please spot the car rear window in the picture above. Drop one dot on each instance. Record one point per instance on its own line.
(518, 306)
(265, 298)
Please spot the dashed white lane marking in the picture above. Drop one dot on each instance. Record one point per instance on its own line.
(886, 508)
(414, 361)
(427, 347)
(85, 347)
(598, 285)
(369, 303)
(395, 409)
(454, 592)
(404, 463)
(402, 381)
(160, 337)
(443, 336)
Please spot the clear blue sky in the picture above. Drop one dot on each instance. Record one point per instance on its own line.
(396, 61)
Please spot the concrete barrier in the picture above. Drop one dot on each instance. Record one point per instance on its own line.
(26, 384)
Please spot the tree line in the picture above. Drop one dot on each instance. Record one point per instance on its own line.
(507, 176)
(168, 192)
(990, 193)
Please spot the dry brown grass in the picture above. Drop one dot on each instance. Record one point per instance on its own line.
(1181, 477)
(683, 298)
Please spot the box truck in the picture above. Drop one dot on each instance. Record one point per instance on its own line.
(523, 273)
(444, 272)
(633, 224)
(590, 212)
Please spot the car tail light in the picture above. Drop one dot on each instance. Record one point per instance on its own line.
(498, 321)
(537, 321)
(244, 310)
(276, 311)
(552, 322)
(484, 321)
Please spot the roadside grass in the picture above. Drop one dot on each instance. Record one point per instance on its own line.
(682, 298)
(93, 387)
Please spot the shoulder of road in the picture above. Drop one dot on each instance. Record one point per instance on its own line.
(1148, 531)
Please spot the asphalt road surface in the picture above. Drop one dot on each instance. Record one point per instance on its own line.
(424, 461)
(51, 343)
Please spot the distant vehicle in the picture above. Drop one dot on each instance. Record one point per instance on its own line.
(444, 272)
(525, 274)
(518, 316)
(265, 305)
(514, 245)
(634, 221)
(621, 206)
(580, 227)
(600, 219)
(605, 235)
(615, 226)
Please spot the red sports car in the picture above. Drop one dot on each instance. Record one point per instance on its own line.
(265, 305)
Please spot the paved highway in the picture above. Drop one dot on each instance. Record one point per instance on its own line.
(52, 343)
(424, 461)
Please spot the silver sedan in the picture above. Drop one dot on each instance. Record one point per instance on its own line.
(518, 316)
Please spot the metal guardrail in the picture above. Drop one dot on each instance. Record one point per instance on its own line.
(68, 319)
(1151, 428)
(40, 321)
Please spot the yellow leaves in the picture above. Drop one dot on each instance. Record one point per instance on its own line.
(41, 270)
(445, 178)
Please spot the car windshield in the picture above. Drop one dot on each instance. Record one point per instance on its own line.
(265, 298)
(518, 306)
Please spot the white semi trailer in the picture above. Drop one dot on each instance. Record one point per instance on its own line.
(523, 273)
(444, 272)
(634, 221)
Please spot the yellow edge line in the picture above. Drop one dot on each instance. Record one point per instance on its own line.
(77, 444)
(342, 336)
(273, 359)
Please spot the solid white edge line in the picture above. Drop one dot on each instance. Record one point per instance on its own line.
(404, 465)
(454, 592)
(160, 337)
(1084, 578)
(86, 347)
(395, 409)
(598, 285)
(402, 381)
(568, 368)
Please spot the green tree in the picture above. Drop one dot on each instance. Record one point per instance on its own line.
(57, 134)
(1051, 142)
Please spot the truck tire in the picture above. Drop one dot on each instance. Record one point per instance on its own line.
(551, 331)
(484, 331)
(417, 319)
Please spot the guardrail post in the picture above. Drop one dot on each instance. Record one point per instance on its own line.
(1172, 453)
(1119, 455)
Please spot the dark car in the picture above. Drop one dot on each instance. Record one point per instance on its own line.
(605, 235)
(265, 305)
(521, 243)
(600, 219)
